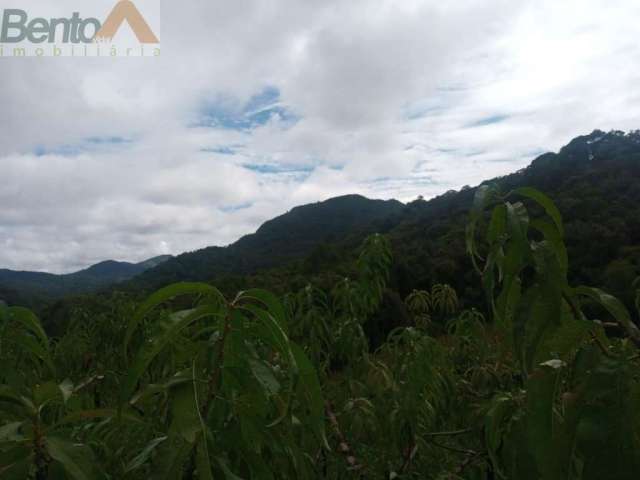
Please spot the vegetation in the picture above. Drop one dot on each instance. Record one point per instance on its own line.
(38, 288)
(340, 379)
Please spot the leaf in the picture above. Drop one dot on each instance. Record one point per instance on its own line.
(203, 462)
(272, 304)
(171, 458)
(309, 388)
(48, 392)
(498, 224)
(555, 242)
(265, 376)
(545, 316)
(165, 294)
(67, 389)
(517, 222)
(484, 194)
(269, 331)
(228, 474)
(545, 202)
(501, 408)
(84, 415)
(615, 307)
(28, 319)
(154, 346)
(185, 417)
(30, 344)
(144, 456)
(150, 390)
(9, 432)
(19, 469)
(10, 395)
(541, 387)
(77, 460)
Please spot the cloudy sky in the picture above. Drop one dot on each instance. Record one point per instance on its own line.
(256, 106)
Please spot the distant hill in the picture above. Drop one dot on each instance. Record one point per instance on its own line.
(32, 287)
(285, 238)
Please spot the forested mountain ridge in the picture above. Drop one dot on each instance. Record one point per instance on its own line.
(22, 287)
(594, 181)
(283, 239)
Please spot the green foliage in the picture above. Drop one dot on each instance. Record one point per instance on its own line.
(558, 425)
(339, 378)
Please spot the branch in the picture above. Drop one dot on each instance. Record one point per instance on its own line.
(448, 434)
(454, 449)
(343, 445)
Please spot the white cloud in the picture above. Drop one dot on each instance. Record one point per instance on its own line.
(379, 97)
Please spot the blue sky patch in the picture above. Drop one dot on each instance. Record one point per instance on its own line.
(87, 145)
(274, 168)
(222, 150)
(257, 111)
(488, 121)
(235, 208)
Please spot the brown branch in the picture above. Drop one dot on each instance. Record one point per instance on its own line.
(602, 346)
(343, 445)
(467, 462)
(631, 329)
(412, 449)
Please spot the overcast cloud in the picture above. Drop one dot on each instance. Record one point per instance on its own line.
(256, 106)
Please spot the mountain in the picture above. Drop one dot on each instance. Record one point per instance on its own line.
(29, 287)
(278, 241)
(594, 180)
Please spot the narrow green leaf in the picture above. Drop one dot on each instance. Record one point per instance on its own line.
(309, 388)
(77, 460)
(615, 307)
(541, 387)
(545, 202)
(144, 456)
(154, 346)
(203, 462)
(272, 304)
(165, 294)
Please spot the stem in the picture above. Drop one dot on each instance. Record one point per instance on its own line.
(412, 449)
(214, 379)
(343, 446)
(41, 460)
(449, 434)
(217, 368)
(454, 449)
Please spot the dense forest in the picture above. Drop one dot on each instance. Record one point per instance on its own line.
(488, 333)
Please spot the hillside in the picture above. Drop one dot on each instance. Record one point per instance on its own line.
(595, 181)
(21, 287)
(283, 239)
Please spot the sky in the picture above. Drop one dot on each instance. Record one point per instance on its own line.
(256, 106)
